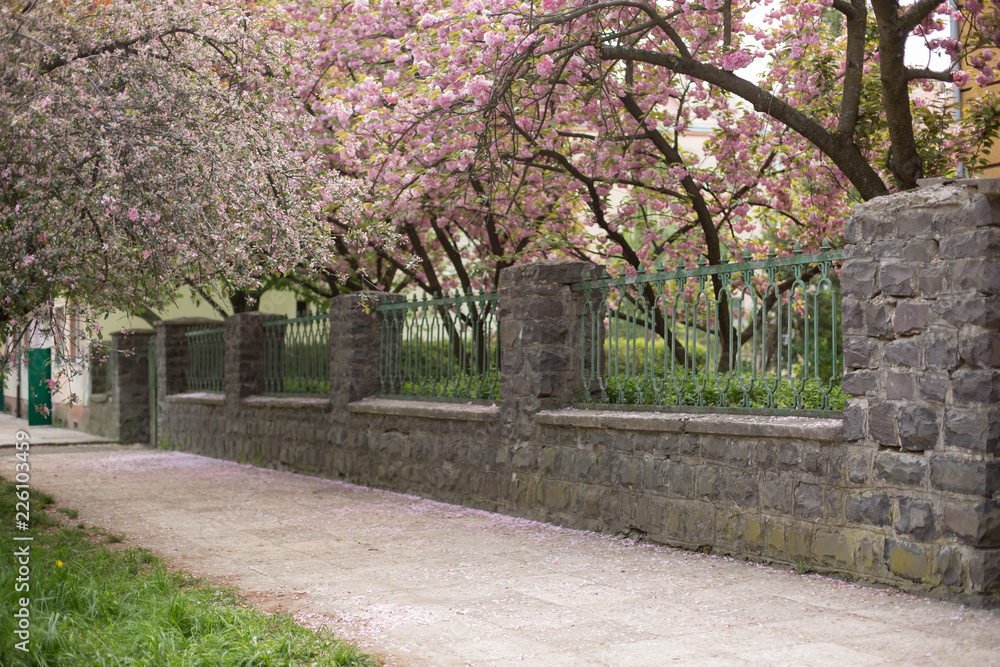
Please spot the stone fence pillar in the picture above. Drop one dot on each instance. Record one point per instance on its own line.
(541, 339)
(171, 353)
(129, 369)
(921, 321)
(245, 354)
(355, 340)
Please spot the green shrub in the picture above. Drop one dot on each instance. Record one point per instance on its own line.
(723, 390)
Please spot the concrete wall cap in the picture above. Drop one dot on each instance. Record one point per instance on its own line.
(427, 409)
(287, 402)
(199, 398)
(806, 428)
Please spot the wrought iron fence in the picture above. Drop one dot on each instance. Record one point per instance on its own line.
(750, 337)
(442, 348)
(206, 359)
(297, 355)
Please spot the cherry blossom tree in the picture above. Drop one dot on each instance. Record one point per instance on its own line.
(484, 101)
(592, 101)
(147, 145)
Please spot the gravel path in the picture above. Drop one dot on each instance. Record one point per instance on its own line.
(424, 583)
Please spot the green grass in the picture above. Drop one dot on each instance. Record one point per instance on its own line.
(90, 605)
(625, 390)
(483, 387)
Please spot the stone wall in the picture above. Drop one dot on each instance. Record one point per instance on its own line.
(902, 491)
(921, 321)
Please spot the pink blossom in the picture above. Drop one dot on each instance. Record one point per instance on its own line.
(736, 60)
(544, 65)
(493, 39)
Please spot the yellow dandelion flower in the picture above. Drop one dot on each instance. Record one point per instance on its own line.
(58, 563)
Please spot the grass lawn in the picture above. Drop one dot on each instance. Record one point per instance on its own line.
(93, 605)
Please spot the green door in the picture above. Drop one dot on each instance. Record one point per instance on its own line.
(39, 393)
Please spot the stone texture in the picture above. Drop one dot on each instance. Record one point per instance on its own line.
(898, 279)
(975, 429)
(882, 422)
(857, 278)
(910, 317)
(869, 508)
(909, 560)
(900, 469)
(918, 427)
(974, 478)
(916, 517)
(904, 352)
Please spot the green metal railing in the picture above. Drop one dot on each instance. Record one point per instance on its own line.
(297, 355)
(206, 359)
(758, 337)
(442, 348)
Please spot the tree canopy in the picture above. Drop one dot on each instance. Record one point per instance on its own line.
(581, 112)
(144, 145)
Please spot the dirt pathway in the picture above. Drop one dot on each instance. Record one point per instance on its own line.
(425, 583)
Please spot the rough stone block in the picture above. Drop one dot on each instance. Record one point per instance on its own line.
(753, 534)
(877, 318)
(975, 478)
(934, 386)
(910, 317)
(859, 383)
(858, 278)
(852, 230)
(909, 560)
(708, 482)
(798, 539)
(941, 352)
(916, 517)
(857, 468)
(741, 488)
(788, 456)
(835, 500)
(809, 501)
(870, 508)
(984, 570)
(900, 385)
(859, 352)
(852, 315)
(882, 422)
(854, 420)
(776, 493)
(918, 428)
(869, 553)
(976, 386)
(919, 250)
(916, 223)
(949, 566)
(973, 428)
(774, 538)
(682, 479)
(897, 279)
(975, 243)
(980, 349)
(833, 548)
(931, 278)
(900, 469)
